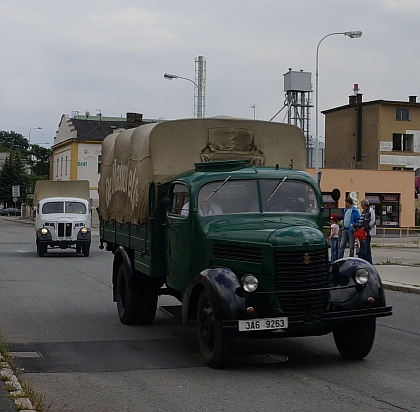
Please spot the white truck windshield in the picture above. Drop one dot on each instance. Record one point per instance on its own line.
(63, 207)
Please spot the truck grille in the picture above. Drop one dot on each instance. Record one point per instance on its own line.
(299, 271)
(64, 230)
(244, 253)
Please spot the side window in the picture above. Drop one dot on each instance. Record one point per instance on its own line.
(180, 204)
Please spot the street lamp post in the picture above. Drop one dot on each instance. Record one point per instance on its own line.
(29, 135)
(169, 76)
(352, 35)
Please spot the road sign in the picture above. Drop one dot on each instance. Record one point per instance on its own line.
(16, 191)
(15, 199)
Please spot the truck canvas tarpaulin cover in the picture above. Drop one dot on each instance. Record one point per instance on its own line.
(61, 188)
(159, 151)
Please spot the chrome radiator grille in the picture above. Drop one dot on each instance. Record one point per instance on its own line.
(298, 271)
(244, 253)
(64, 230)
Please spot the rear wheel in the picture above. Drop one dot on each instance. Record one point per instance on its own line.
(354, 340)
(216, 343)
(127, 302)
(135, 303)
(147, 306)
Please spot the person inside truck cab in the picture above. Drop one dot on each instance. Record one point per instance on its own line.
(206, 201)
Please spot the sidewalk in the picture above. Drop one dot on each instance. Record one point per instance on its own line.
(398, 265)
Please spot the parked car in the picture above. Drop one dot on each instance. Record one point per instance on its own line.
(10, 211)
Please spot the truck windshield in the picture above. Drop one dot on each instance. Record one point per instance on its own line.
(75, 207)
(63, 207)
(53, 207)
(242, 196)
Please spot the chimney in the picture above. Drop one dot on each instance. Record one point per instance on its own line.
(359, 97)
(412, 99)
(352, 99)
(355, 88)
(134, 120)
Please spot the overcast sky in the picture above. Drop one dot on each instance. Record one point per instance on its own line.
(57, 57)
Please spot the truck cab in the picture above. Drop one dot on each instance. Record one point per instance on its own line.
(63, 222)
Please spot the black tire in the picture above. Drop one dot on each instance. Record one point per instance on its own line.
(85, 250)
(127, 298)
(216, 344)
(78, 248)
(147, 306)
(354, 340)
(41, 250)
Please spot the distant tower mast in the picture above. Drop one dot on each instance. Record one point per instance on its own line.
(298, 88)
(200, 90)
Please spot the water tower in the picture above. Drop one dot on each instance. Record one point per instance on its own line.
(298, 89)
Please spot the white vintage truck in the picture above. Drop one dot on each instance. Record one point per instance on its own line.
(63, 216)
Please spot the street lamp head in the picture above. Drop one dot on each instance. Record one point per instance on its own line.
(353, 34)
(168, 76)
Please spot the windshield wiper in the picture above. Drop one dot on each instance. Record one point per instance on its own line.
(217, 188)
(276, 188)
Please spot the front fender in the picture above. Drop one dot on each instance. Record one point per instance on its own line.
(221, 283)
(356, 297)
(43, 238)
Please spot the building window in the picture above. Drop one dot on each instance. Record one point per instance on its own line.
(65, 167)
(99, 163)
(402, 142)
(61, 169)
(403, 114)
(56, 169)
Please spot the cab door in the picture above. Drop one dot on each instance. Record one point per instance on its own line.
(178, 239)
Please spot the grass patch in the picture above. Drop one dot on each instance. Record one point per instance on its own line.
(389, 262)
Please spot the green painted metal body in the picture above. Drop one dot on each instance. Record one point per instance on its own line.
(179, 247)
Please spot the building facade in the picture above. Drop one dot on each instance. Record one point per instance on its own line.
(378, 135)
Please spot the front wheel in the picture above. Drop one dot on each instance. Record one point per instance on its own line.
(85, 250)
(354, 340)
(41, 250)
(216, 344)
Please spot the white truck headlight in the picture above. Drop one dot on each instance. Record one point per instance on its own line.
(361, 276)
(44, 231)
(249, 283)
(83, 230)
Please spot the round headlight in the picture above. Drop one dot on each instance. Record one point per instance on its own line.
(361, 276)
(83, 230)
(44, 231)
(249, 283)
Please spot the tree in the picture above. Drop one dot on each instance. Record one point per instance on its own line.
(13, 173)
(38, 159)
(13, 141)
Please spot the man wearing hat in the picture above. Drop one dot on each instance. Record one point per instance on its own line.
(335, 232)
(351, 218)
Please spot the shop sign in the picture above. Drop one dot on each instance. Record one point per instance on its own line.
(390, 198)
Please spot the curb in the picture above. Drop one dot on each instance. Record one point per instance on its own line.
(13, 386)
(398, 287)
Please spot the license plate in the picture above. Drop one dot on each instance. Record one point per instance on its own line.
(262, 324)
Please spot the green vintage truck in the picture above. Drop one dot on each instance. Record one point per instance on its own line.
(219, 213)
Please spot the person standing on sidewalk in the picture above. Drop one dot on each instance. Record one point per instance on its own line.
(368, 223)
(351, 219)
(335, 232)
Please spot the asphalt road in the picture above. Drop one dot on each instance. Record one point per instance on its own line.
(59, 311)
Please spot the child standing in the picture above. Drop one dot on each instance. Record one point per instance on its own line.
(335, 232)
(360, 237)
